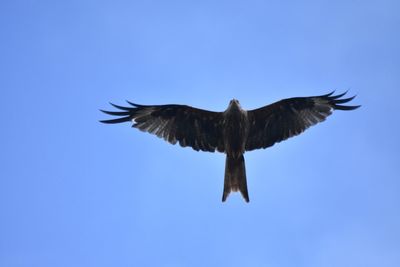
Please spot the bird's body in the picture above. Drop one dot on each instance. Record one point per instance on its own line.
(233, 131)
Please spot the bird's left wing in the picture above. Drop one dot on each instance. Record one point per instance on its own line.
(193, 127)
(289, 117)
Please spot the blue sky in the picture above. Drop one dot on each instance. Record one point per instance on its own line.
(74, 192)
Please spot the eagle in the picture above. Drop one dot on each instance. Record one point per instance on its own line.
(233, 131)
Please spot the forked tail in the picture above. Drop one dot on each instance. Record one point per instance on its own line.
(235, 177)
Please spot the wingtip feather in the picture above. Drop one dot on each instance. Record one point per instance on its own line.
(328, 94)
(120, 107)
(116, 113)
(134, 104)
(344, 100)
(338, 96)
(341, 107)
(119, 120)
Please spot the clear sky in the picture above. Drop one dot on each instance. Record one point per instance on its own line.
(74, 192)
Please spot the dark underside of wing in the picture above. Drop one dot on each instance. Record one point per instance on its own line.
(188, 126)
(290, 117)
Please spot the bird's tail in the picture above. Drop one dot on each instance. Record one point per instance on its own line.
(235, 177)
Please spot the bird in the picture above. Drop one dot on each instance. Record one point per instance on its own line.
(233, 131)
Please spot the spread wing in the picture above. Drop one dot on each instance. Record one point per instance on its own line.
(289, 117)
(197, 128)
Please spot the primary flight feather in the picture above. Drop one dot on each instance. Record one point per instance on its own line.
(233, 131)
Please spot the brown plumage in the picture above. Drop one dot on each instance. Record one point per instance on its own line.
(233, 131)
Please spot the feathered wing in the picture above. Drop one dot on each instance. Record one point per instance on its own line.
(196, 128)
(289, 117)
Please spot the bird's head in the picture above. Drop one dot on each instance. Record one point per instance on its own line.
(234, 103)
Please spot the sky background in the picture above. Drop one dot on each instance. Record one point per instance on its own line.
(74, 192)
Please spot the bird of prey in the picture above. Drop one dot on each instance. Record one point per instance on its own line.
(232, 131)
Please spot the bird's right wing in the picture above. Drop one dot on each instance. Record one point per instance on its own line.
(193, 127)
(289, 117)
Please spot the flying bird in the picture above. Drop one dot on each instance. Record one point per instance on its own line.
(233, 131)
